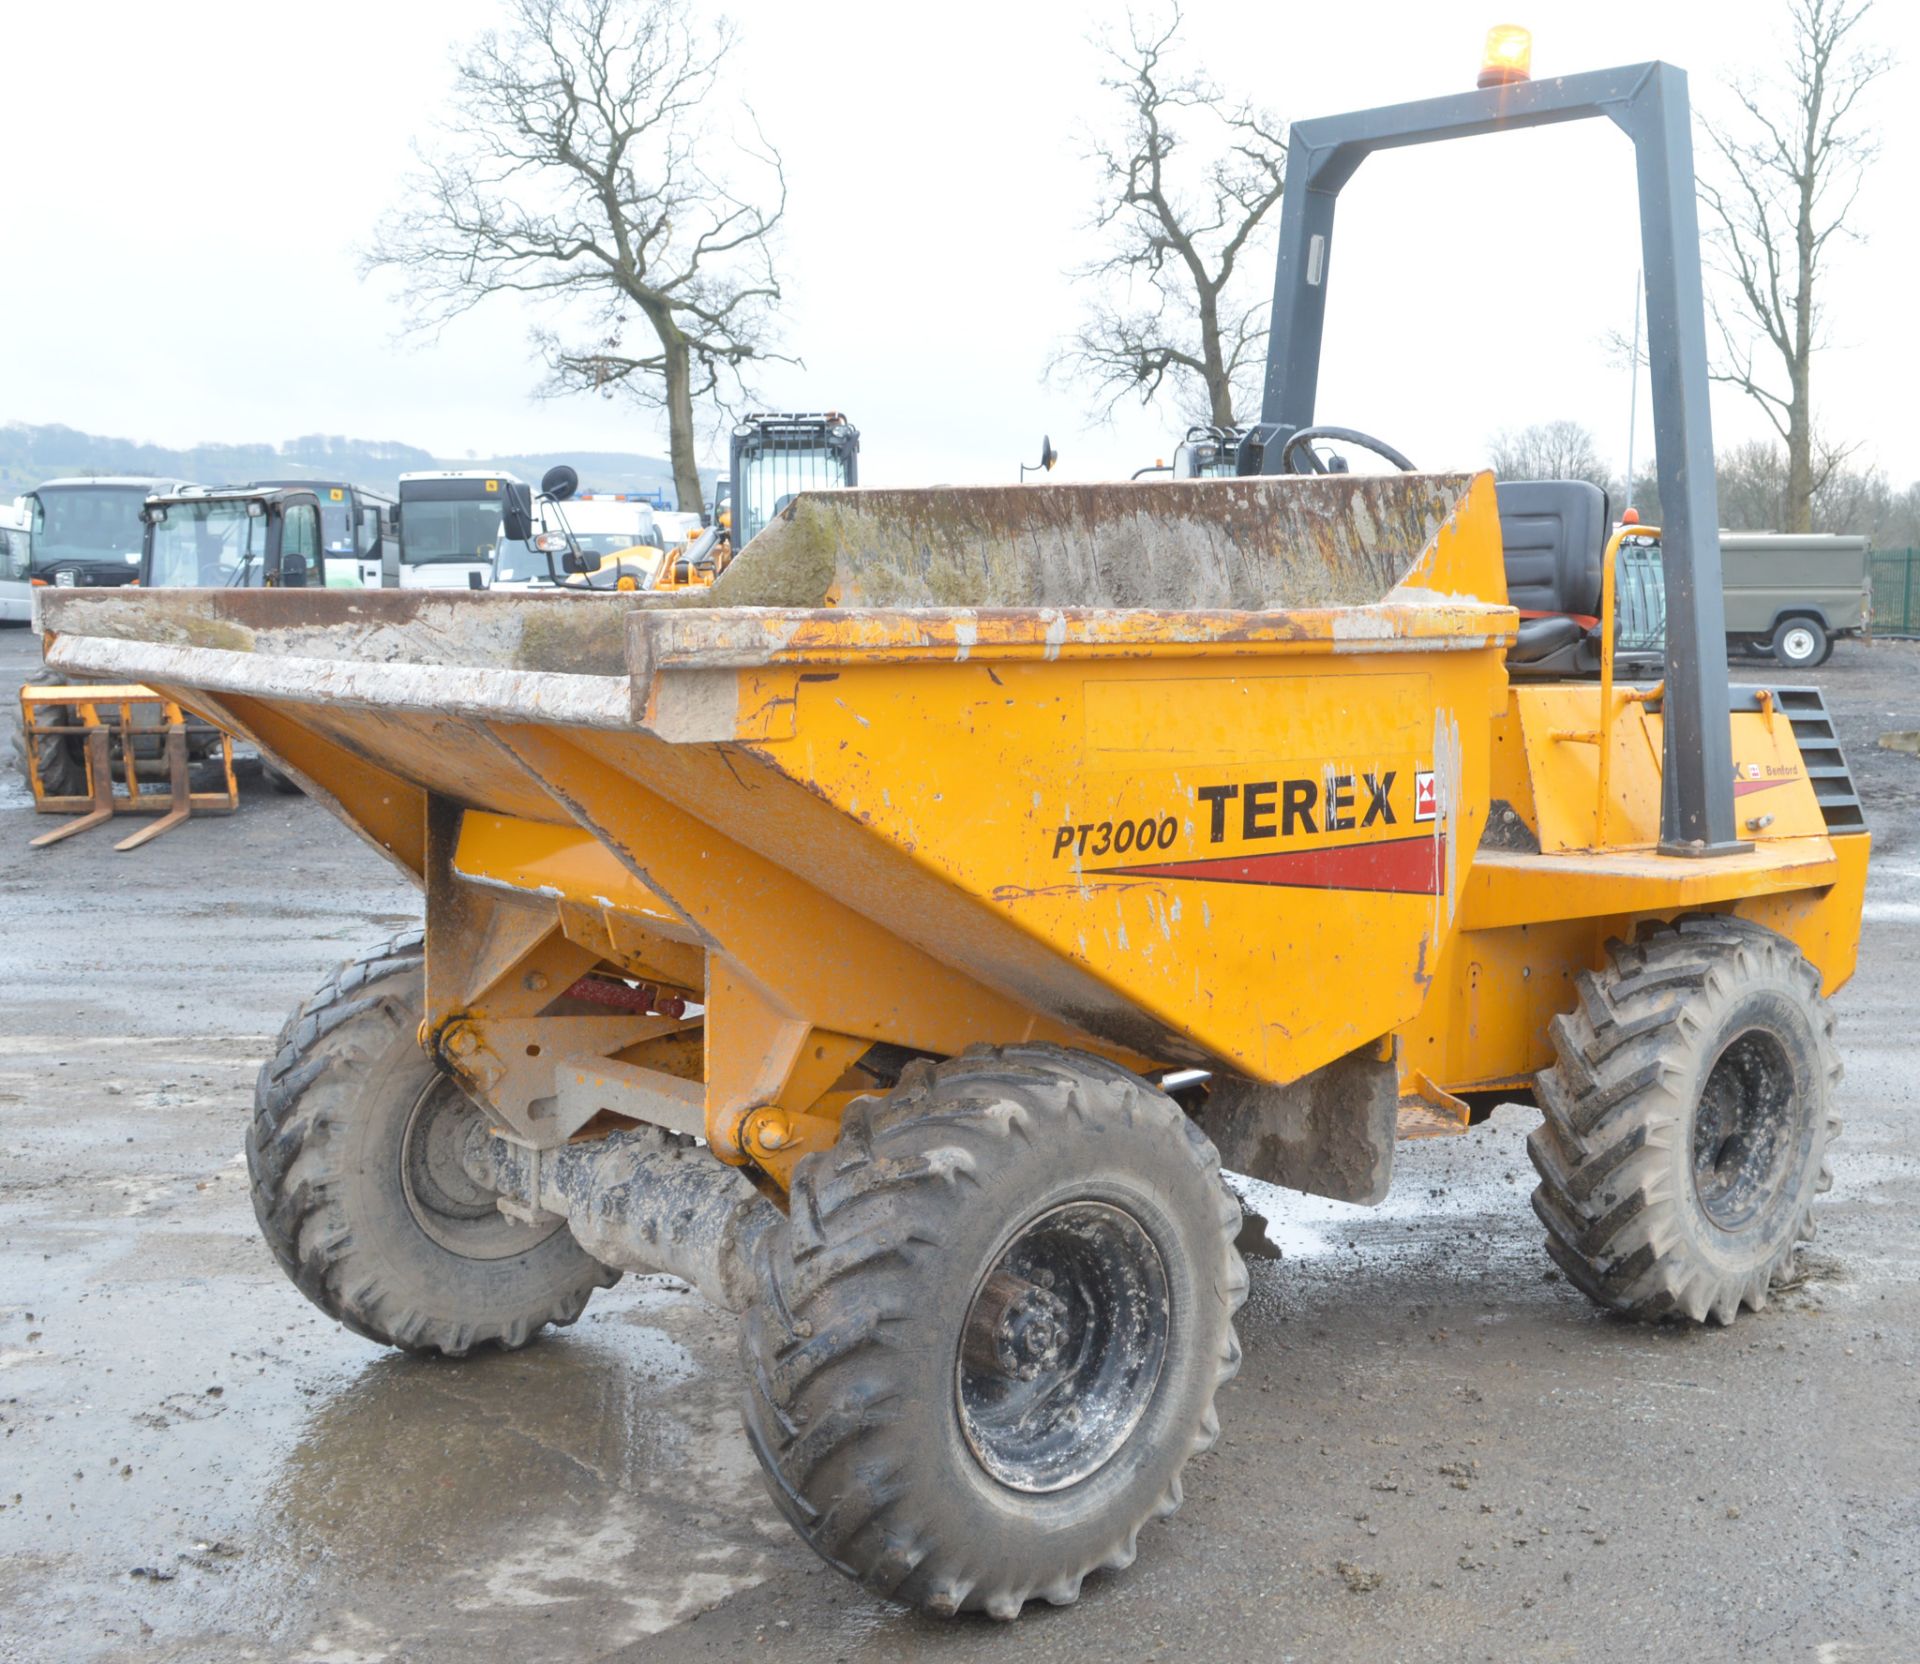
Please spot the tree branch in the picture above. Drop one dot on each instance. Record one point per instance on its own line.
(1159, 317)
(586, 165)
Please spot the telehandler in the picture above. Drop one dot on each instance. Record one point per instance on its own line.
(837, 937)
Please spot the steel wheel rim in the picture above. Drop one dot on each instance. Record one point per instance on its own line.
(1062, 1347)
(1743, 1129)
(1798, 643)
(458, 1213)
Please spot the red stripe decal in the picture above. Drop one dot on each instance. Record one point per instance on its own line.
(1741, 788)
(1401, 866)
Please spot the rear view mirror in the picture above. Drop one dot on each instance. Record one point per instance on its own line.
(559, 482)
(581, 560)
(1048, 457)
(516, 514)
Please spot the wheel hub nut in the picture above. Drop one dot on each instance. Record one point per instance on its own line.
(1018, 1328)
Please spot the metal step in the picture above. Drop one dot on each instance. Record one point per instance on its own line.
(1826, 764)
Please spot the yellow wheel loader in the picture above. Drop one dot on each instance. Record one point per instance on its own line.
(897, 938)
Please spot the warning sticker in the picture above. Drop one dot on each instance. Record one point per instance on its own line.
(1425, 803)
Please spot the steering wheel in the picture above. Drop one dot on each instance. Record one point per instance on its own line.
(1300, 444)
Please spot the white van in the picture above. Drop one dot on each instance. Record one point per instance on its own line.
(676, 528)
(603, 524)
(16, 597)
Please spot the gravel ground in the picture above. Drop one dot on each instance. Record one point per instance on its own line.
(1434, 1450)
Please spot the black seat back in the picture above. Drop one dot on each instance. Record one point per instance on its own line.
(1555, 535)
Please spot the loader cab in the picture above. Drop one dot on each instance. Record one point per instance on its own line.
(1207, 453)
(247, 538)
(777, 456)
(356, 529)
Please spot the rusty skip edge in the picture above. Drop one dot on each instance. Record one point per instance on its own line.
(753, 637)
(660, 644)
(543, 696)
(674, 656)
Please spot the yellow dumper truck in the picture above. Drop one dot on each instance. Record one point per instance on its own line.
(896, 939)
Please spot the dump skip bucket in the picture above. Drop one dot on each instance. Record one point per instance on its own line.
(1172, 770)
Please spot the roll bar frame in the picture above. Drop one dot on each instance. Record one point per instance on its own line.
(1648, 102)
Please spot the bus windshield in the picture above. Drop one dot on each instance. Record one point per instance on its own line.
(207, 546)
(86, 523)
(432, 532)
(443, 522)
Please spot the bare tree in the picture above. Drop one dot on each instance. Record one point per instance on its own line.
(1167, 308)
(1794, 168)
(586, 167)
(1752, 478)
(1549, 451)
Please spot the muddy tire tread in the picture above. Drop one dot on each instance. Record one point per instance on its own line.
(63, 767)
(301, 1087)
(1601, 1149)
(836, 1279)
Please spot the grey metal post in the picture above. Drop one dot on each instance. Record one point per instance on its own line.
(1633, 383)
(1649, 103)
(1697, 794)
(1299, 298)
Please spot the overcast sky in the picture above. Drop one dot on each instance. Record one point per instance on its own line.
(188, 187)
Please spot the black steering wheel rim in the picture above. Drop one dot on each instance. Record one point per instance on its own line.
(1302, 440)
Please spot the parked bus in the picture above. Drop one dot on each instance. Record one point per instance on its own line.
(86, 533)
(450, 528)
(356, 528)
(16, 602)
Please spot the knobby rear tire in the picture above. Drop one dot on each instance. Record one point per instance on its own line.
(63, 760)
(1686, 1121)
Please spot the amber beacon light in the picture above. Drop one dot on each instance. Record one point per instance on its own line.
(1509, 56)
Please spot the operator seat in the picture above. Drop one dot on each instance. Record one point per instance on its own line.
(1554, 535)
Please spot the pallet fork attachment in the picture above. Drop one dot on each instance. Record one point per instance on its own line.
(103, 738)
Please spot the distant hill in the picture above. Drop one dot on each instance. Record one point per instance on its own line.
(30, 453)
